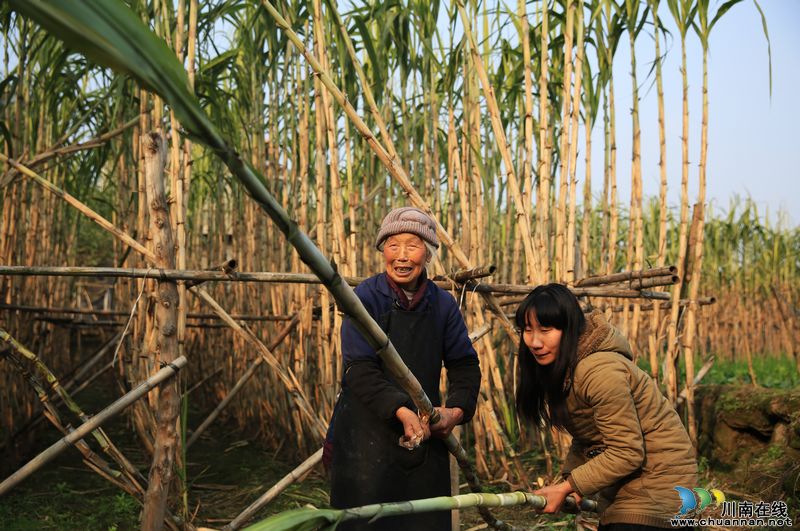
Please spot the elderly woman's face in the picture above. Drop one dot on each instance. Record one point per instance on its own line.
(405, 256)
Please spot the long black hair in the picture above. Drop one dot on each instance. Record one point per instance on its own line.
(542, 390)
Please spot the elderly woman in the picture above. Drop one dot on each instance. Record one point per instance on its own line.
(373, 414)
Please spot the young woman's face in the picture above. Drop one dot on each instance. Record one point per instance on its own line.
(405, 256)
(543, 341)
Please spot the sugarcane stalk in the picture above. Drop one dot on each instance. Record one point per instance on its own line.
(165, 337)
(502, 145)
(324, 517)
(91, 424)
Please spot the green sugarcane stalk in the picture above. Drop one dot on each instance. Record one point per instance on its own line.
(312, 518)
(111, 34)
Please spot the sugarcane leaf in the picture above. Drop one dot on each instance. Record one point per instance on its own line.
(305, 519)
(769, 43)
(108, 32)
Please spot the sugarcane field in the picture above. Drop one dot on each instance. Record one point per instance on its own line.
(399, 265)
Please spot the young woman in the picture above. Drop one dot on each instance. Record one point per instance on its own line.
(373, 413)
(629, 446)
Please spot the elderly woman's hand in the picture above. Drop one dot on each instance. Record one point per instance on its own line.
(449, 418)
(414, 429)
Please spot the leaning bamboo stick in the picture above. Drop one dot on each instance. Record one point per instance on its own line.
(92, 424)
(276, 489)
(285, 374)
(697, 379)
(55, 385)
(241, 383)
(90, 458)
(69, 384)
(88, 212)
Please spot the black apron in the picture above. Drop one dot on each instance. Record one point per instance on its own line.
(368, 465)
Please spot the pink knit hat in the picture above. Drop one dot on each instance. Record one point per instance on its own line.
(410, 220)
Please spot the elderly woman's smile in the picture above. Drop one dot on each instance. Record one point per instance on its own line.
(405, 255)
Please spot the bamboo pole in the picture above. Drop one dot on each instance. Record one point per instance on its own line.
(92, 424)
(625, 276)
(115, 313)
(301, 278)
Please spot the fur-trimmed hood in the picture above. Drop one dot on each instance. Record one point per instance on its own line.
(600, 336)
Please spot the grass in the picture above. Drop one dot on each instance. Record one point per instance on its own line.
(772, 371)
(61, 498)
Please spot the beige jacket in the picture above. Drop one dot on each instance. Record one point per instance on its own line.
(629, 444)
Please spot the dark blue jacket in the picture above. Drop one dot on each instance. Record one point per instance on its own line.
(362, 365)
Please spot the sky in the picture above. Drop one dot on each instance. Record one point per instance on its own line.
(754, 145)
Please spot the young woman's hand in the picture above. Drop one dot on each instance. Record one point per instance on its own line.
(414, 430)
(449, 418)
(556, 494)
